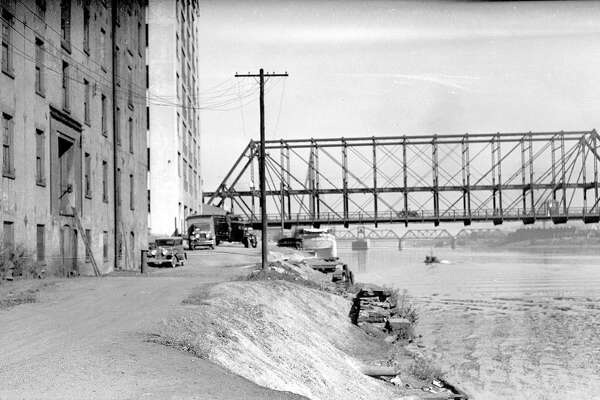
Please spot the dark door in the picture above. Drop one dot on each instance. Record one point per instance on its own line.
(68, 250)
(66, 166)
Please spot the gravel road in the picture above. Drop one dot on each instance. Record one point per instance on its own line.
(84, 339)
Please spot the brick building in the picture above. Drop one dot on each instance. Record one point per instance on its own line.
(73, 120)
(174, 131)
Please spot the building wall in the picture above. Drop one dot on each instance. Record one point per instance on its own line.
(174, 135)
(27, 201)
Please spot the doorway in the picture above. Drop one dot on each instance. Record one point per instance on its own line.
(68, 251)
(66, 172)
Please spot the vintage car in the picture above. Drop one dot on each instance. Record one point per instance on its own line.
(167, 250)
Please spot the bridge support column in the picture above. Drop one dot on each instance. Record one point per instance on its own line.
(399, 244)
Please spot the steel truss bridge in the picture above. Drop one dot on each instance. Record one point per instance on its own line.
(363, 232)
(466, 178)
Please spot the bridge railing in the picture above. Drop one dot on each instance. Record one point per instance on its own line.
(429, 215)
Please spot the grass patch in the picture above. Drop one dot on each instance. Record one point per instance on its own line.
(279, 273)
(184, 344)
(425, 370)
(199, 297)
(14, 299)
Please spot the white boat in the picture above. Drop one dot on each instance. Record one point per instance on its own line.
(319, 241)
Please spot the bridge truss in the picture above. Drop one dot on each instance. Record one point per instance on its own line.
(472, 177)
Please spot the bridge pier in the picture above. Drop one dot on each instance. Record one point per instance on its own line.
(361, 244)
(399, 244)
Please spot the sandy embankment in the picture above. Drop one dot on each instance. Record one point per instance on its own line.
(278, 334)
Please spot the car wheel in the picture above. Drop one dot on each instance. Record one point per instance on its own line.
(174, 262)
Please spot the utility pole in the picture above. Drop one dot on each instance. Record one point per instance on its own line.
(261, 160)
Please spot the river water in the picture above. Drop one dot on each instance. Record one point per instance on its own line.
(502, 324)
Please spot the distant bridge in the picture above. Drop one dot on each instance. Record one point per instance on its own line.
(363, 232)
(492, 177)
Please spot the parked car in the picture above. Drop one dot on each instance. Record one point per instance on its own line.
(167, 250)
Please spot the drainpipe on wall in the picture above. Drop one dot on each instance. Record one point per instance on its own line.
(114, 11)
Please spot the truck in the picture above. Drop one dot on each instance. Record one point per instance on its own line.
(201, 231)
(212, 230)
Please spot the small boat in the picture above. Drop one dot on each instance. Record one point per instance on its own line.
(431, 260)
(318, 241)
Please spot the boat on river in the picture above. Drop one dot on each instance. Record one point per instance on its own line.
(318, 241)
(431, 260)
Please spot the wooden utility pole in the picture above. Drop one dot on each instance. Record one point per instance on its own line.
(261, 160)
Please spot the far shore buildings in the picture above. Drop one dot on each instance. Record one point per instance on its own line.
(73, 120)
(175, 186)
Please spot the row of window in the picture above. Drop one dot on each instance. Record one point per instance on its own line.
(8, 169)
(40, 52)
(187, 141)
(9, 241)
(191, 180)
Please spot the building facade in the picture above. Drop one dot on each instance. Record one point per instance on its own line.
(174, 121)
(73, 118)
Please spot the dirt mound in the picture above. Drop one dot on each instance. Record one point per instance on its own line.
(278, 334)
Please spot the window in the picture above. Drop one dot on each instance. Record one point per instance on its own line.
(7, 45)
(131, 193)
(40, 174)
(119, 247)
(103, 115)
(130, 87)
(132, 243)
(86, 101)
(148, 158)
(9, 235)
(185, 178)
(8, 153)
(39, 67)
(103, 48)
(65, 85)
(88, 236)
(87, 176)
(105, 245)
(41, 243)
(86, 28)
(148, 192)
(177, 45)
(65, 24)
(147, 77)
(118, 64)
(179, 164)
(177, 87)
(190, 178)
(130, 129)
(105, 181)
(118, 187)
(41, 9)
(184, 140)
(147, 117)
(140, 38)
(118, 126)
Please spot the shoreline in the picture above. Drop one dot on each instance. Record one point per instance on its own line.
(245, 306)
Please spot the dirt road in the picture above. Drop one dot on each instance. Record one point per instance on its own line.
(84, 339)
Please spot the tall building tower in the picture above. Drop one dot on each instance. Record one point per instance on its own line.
(73, 121)
(174, 121)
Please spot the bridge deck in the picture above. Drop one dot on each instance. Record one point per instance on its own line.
(425, 217)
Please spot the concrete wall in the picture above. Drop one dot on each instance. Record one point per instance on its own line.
(28, 204)
(169, 196)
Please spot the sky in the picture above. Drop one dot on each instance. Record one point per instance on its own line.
(382, 68)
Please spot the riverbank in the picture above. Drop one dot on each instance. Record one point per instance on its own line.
(226, 337)
(290, 330)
